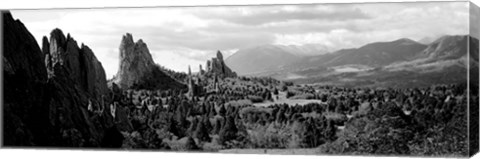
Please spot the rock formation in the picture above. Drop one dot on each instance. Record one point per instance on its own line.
(137, 69)
(49, 90)
(200, 70)
(190, 84)
(25, 79)
(216, 66)
(81, 64)
(194, 89)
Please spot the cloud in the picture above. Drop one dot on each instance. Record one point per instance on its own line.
(182, 36)
(259, 15)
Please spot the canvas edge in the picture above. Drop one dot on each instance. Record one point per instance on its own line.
(473, 75)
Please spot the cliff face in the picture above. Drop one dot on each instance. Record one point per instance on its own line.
(25, 79)
(137, 69)
(79, 63)
(48, 90)
(216, 66)
(135, 61)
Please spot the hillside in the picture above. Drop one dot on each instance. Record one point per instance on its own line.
(441, 62)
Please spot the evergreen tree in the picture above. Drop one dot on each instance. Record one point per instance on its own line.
(228, 131)
(193, 126)
(217, 127)
(330, 130)
(213, 112)
(222, 111)
(201, 133)
(172, 126)
(207, 124)
(190, 144)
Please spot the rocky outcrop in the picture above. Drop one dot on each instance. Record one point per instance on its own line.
(66, 61)
(216, 66)
(137, 69)
(50, 90)
(25, 91)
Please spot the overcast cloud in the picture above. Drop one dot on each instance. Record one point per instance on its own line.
(178, 37)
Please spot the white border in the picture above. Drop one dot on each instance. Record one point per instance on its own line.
(74, 154)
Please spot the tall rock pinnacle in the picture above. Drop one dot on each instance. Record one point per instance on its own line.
(137, 68)
(216, 66)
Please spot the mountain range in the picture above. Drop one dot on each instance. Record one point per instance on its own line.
(271, 57)
(413, 60)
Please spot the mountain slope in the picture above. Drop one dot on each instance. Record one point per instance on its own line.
(377, 54)
(444, 61)
(382, 53)
(259, 59)
(447, 47)
(443, 52)
(306, 49)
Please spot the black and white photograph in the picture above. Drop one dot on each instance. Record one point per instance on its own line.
(335, 79)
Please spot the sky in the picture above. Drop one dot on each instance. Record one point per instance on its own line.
(182, 36)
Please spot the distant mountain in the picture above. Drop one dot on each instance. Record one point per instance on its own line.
(445, 51)
(375, 54)
(138, 70)
(306, 49)
(260, 59)
(380, 53)
(429, 39)
(371, 55)
(400, 63)
(447, 47)
(267, 58)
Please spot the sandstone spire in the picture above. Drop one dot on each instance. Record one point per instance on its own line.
(137, 68)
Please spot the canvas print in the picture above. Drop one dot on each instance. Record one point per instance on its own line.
(383, 79)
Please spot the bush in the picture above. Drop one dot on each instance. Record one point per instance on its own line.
(228, 131)
(255, 99)
(190, 144)
(301, 96)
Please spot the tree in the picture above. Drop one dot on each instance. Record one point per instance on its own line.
(228, 131)
(222, 111)
(280, 116)
(275, 91)
(298, 130)
(172, 126)
(212, 111)
(190, 144)
(217, 127)
(330, 130)
(193, 126)
(208, 125)
(201, 133)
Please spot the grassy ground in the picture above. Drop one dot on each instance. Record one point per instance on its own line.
(283, 99)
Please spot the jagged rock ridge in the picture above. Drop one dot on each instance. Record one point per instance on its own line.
(50, 91)
(137, 69)
(82, 65)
